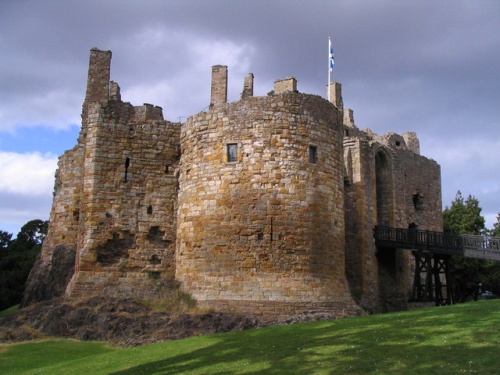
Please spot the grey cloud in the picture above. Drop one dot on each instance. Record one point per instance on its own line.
(424, 66)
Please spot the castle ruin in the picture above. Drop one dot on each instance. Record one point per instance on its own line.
(265, 205)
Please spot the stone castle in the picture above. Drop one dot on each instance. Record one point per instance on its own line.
(265, 205)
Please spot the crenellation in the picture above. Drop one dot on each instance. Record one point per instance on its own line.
(247, 87)
(265, 206)
(281, 86)
(335, 91)
(219, 85)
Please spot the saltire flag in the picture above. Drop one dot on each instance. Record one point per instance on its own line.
(332, 58)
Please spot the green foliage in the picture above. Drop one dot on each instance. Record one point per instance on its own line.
(440, 340)
(468, 273)
(5, 239)
(17, 258)
(495, 232)
(463, 216)
(31, 235)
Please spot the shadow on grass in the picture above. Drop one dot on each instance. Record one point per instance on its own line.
(461, 339)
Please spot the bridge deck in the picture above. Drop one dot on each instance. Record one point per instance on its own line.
(470, 246)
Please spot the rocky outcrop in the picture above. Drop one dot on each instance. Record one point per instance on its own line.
(48, 281)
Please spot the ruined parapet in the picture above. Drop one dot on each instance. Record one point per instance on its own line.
(391, 140)
(335, 91)
(148, 112)
(218, 93)
(114, 91)
(288, 84)
(349, 118)
(247, 87)
(412, 141)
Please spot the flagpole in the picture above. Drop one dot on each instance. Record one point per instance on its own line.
(329, 66)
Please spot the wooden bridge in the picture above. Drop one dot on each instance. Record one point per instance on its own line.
(432, 251)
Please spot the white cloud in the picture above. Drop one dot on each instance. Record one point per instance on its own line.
(29, 173)
(26, 184)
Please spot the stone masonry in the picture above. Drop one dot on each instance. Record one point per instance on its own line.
(265, 205)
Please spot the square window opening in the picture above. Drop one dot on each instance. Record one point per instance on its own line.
(232, 152)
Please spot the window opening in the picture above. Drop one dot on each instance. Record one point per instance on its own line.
(232, 152)
(154, 275)
(313, 154)
(127, 164)
(417, 200)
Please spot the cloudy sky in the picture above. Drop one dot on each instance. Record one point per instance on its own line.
(429, 66)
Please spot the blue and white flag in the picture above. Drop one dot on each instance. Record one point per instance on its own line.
(331, 58)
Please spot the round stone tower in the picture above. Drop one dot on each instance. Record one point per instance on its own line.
(260, 224)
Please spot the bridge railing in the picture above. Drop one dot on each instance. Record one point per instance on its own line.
(438, 242)
(417, 239)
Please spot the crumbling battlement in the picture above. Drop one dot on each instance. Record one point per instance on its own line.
(265, 205)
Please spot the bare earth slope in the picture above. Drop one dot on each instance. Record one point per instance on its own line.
(122, 322)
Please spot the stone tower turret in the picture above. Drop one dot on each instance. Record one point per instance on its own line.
(98, 79)
(260, 205)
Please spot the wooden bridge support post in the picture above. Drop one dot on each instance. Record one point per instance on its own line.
(423, 290)
(442, 284)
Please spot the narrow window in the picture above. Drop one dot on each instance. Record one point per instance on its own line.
(232, 152)
(127, 164)
(417, 201)
(313, 154)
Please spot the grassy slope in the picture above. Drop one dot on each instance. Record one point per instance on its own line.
(8, 311)
(447, 340)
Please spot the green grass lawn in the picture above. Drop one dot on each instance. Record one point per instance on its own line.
(460, 339)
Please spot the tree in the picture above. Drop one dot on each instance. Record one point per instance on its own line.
(464, 217)
(495, 232)
(5, 240)
(31, 234)
(17, 258)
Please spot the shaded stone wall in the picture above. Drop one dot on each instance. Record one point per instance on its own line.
(360, 217)
(46, 280)
(387, 183)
